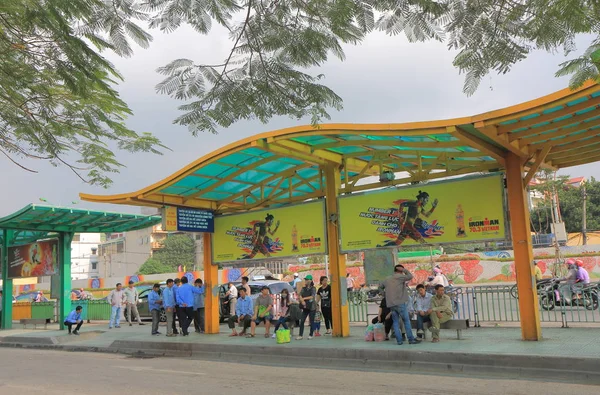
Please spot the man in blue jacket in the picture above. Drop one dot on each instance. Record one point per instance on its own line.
(198, 308)
(74, 318)
(168, 297)
(185, 301)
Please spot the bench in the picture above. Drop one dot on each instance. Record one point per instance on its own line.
(35, 322)
(458, 325)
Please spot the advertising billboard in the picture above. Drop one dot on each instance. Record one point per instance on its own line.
(274, 233)
(33, 260)
(462, 210)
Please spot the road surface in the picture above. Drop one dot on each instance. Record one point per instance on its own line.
(31, 371)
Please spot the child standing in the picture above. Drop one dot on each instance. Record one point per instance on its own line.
(317, 324)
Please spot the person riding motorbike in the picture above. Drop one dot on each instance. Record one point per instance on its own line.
(582, 275)
(569, 288)
(439, 278)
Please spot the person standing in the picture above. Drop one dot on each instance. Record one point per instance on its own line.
(396, 297)
(74, 318)
(132, 298)
(324, 299)
(349, 283)
(307, 298)
(176, 283)
(198, 308)
(441, 306)
(537, 271)
(154, 304)
(168, 298)
(245, 285)
(232, 295)
(116, 298)
(295, 282)
(185, 300)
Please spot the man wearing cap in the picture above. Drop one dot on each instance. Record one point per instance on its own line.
(132, 299)
(396, 297)
(262, 311)
(307, 297)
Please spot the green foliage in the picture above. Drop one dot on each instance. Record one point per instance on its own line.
(571, 206)
(56, 97)
(278, 43)
(56, 90)
(154, 266)
(177, 250)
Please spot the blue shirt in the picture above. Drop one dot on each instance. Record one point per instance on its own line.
(168, 296)
(421, 303)
(175, 293)
(73, 317)
(199, 300)
(185, 294)
(244, 307)
(153, 297)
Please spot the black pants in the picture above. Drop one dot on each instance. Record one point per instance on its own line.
(327, 317)
(175, 318)
(199, 320)
(387, 324)
(245, 322)
(186, 315)
(69, 325)
(311, 319)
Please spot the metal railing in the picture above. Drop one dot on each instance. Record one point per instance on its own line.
(499, 303)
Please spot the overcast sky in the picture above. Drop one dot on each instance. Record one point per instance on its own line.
(386, 80)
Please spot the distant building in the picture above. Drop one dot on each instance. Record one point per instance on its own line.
(84, 255)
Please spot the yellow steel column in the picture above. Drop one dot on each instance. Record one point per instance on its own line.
(337, 261)
(211, 285)
(523, 250)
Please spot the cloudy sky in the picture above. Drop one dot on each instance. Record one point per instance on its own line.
(385, 80)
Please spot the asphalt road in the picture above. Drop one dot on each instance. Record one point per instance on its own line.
(59, 373)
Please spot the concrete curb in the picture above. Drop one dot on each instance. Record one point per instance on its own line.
(553, 369)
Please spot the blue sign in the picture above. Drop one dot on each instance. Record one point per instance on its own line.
(191, 220)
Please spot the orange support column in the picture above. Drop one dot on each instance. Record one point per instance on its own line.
(523, 250)
(337, 261)
(211, 284)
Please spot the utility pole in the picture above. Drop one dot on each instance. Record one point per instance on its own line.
(584, 213)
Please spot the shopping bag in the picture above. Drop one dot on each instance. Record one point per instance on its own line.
(283, 336)
(378, 332)
(369, 335)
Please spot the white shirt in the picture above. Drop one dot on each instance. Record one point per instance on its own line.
(116, 298)
(233, 292)
(349, 282)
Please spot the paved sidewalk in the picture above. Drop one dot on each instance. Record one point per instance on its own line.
(561, 353)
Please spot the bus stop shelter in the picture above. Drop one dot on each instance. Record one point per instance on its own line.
(301, 163)
(38, 222)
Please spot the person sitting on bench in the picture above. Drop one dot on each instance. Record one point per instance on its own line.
(74, 318)
(441, 311)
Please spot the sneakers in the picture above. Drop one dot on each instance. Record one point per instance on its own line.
(317, 334)
(415, 341)
(76, 333)
(299, 338)
(310, 337)
(273, 336)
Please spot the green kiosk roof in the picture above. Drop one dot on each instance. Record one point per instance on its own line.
(41, 218)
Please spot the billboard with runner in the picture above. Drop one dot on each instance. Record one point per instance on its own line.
(274, 233)
(33, 260)
(462, 210)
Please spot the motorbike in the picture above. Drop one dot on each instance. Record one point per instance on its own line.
(540, 285)
(583, 296)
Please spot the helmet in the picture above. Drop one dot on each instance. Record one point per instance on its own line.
(437, 270)
(309, 277)
(579, 262)
(570, 261)
(295, 274)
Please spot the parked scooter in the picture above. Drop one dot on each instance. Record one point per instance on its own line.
(586, 296)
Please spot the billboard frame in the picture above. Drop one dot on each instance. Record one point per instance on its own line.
(501, 176)
(318, 200)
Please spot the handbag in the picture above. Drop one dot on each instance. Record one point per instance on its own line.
(283, 336)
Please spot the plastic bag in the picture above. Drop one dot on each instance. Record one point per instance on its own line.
(369, 335)
(378, 332)
(283, 336)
